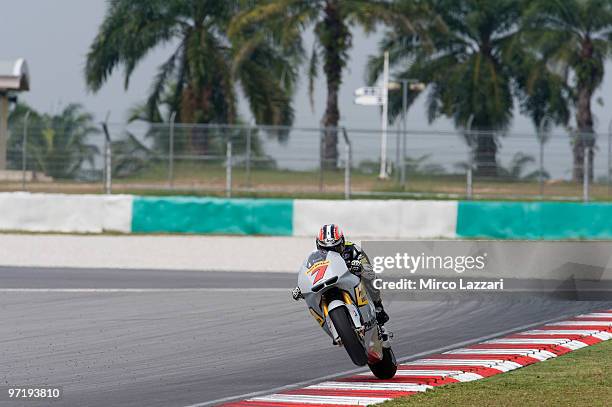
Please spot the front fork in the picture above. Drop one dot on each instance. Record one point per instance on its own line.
(334, 301)
(374, 339)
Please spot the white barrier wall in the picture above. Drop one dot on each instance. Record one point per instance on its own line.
(117, 213)
(377, 219)
(65, 213)
(428, 219)
(388, 219)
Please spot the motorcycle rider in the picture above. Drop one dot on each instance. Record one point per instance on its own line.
(330, 237)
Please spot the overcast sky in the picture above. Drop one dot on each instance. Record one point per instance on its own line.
(54, 37)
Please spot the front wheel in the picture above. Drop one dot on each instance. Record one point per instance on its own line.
(386, 368)
(350, 339)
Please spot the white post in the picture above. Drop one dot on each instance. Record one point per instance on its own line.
(585, 176)
(107, 167)
(404, 127)
(398, 148)
(541, 175)
(609, 155)
(248, 158)
(469, 183)
(385, 102)
(171, 151)
(228, 170)
(108, 161)
(347, 167)
(4, 111)
(24, 150)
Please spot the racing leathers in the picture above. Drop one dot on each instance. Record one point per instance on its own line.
(359, 264)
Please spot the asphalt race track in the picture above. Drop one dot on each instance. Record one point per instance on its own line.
(178, 338)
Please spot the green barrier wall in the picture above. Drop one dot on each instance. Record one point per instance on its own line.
(212, 215)
(534, 220)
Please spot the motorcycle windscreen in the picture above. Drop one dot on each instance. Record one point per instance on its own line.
(316, 257)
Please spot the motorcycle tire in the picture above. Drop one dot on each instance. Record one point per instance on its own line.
(386, 368)
(350, 339)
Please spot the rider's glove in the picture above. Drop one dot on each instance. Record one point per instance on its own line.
(296, 293)
(356, 267)
(381, 316)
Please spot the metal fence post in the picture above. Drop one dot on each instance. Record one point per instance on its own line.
(248, 158)
(321, 159)
(609, 156)
(347, 167)
(228, 169)
(469, 186)
(108, 176)
(585, 176)
(171, 151)
(24, 150)
(469, 174)
(403, 159)
(468, 191)
(397, 154)
(541, 174)
(404, 128)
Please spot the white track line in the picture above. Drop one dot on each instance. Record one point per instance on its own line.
(574, 345)
(499, 364)
(455, 374)
(533, 353)
(370, 386)
(580, 323)
(604, 336)
(139, 290)
(422, 372)
(307, 399)
(583, 332)
(467, 377)
(527, 341)
(494, 351)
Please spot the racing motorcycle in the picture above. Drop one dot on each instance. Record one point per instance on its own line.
(339, 303)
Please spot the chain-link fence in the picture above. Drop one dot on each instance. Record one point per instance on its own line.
(306, 162)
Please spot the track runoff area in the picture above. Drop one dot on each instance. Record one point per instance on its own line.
(473, 362)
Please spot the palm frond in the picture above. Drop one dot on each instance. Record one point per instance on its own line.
(313, 69)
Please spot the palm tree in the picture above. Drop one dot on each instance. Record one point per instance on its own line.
(543, 96)
(465, 60)
(58, 145)
(575, 37)
(331, 20)
(205, 68)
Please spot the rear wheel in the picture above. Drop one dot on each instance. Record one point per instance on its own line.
(350, 339)
(386, 368)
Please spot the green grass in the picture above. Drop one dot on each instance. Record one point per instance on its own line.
(581, 378)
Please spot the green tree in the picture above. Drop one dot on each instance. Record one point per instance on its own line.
(332, 20)
(543, 95)
(465, 58)
(58, 145)
(575, 38)
(206, 67)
